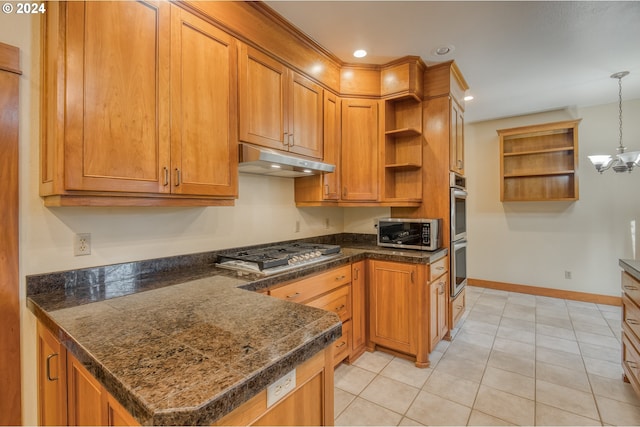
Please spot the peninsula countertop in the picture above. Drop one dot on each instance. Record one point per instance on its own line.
(188, 345)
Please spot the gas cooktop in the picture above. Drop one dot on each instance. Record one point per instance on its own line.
(277, 258)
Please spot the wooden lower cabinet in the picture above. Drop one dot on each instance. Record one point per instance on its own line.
(631, 331)
(341, 290)
(52, 379)
(438, 311)
(309, 404)
(398, 309)
(68, 394)
(358, 310)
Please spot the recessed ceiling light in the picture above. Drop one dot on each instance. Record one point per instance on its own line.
(468, 97)
(443, 50)
(360, 53)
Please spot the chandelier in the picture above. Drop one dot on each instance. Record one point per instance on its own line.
(624, 161)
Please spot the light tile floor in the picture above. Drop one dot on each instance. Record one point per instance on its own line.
(515, 359)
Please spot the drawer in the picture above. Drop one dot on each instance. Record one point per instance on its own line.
(438, 268)
(631, 316)
(631, 287)
(631, 362)
(342, 346)
(458, 306)
(338, 301)
(309, 288)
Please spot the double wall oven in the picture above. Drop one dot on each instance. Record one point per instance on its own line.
(458, 247)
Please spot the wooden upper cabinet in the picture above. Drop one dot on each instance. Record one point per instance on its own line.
(279, 108)
(305, 117)
(139, 106)
(332, 128)
(360, 163)
(456, 138)
(262, 85)
(204, 155)
(117, 124)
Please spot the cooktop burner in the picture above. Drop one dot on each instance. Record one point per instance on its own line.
(289, 255)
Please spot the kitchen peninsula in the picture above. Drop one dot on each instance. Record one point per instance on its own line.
(179, 341)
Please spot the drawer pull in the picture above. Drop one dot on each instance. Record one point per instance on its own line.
(458, 307)
(341, 277)
(632, 364)
(297, 294)
(342, 344)
(340, 308)
(633, 322)
(48, 367)
(631, 287)
(440, 267)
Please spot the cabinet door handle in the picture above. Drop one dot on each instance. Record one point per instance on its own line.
(344, 191)
(631, 287)
(340, 308)
(326, 189)
(292, 140)
(165, 171)
(441, 288)
(178, 176)
(459, 164)
(412, 276)
(48, 367)
(293, 295)
(633, 322)
(356, 273)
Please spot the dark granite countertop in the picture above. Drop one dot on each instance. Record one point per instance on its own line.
(178, 341)
(631, 266)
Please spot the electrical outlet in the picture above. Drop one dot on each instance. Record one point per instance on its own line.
(567, 274)
(82, 244)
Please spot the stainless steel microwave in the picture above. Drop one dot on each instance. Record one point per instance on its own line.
(413, 233)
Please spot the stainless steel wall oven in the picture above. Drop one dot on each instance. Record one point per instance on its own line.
(458, 247)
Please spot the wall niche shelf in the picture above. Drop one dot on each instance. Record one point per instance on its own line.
(539, 162)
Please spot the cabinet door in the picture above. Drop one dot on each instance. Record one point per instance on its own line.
(117, 415)
(332, 129)
(85, 396)
(305, 117)
(204, 156)
(358, 314)
(438, 311)
(117, 96)
(262, 88)
(394, 300)
(52, 384)
(359, 168)
(456, 138)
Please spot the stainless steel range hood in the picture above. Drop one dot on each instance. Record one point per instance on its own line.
(265, 161)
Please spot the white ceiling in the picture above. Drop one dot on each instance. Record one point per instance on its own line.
(518, 57)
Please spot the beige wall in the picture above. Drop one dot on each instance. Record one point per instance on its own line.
(534, 243)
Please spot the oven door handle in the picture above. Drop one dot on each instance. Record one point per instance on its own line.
(457, 244)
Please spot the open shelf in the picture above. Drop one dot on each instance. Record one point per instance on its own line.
(402, 151)
(539, 163)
